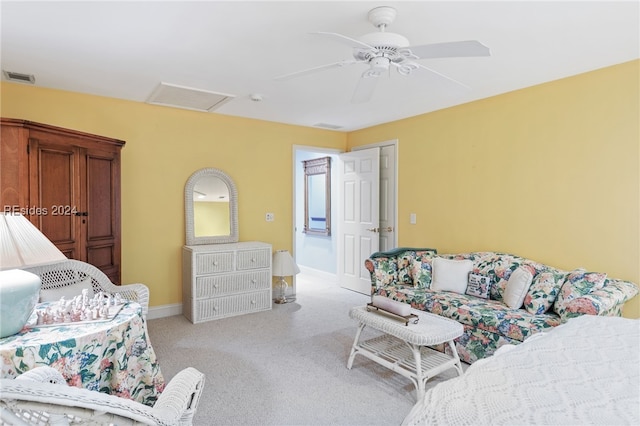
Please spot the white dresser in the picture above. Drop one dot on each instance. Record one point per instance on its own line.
(224, 280)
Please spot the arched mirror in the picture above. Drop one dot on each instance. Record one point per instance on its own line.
(317, 196)
(211, 208)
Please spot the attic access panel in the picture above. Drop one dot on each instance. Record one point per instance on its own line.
(172, 95)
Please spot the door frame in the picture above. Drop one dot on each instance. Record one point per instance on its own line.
(294, 200)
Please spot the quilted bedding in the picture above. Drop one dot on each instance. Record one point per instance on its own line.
(586, 371)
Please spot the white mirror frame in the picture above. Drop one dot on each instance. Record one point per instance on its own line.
(188, 207)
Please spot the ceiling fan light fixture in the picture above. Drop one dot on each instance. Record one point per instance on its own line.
(378, 66)
(383, 39)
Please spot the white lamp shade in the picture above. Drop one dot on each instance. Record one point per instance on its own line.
(283, 264)
(22, 244)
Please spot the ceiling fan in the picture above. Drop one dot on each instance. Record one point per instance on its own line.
(383, 50)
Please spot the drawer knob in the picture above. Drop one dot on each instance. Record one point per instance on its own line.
(253, 302)
(253, 281)
(215, 263)
(216, 286)
(253, 259)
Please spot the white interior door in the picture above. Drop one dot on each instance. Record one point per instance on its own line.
(358, 216)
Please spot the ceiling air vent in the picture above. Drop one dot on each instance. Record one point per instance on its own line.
(16, 76)
(327, 126)
(175, 96)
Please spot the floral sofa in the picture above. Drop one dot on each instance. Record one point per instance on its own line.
(549, 298)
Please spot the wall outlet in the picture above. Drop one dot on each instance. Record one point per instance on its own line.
(270, 217)
(412, 219)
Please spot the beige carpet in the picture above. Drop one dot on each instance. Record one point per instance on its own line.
(286, 366)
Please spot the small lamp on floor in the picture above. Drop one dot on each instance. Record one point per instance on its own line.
(283, 266)
(21, 244)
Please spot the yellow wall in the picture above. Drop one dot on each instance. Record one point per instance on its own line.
(164, 146)
(549, 172)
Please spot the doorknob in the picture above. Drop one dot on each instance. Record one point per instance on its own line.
(388, 229)
(374, 229)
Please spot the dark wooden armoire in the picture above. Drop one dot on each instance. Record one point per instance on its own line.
(68, 184)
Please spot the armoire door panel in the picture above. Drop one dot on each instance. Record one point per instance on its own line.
(100, 199)
(54, 191)
(69, 253)
(103, 210)
(14, 173)
(101, 256)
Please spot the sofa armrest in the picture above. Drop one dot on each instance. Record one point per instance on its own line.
(383, 266)
(607, 301)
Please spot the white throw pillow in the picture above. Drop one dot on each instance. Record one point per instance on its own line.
(450, 275)
(517, 288)
(68, 291)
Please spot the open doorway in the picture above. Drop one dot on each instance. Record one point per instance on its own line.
(317, 255)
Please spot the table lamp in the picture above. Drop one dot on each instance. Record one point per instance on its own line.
(283, 266)
(21, 244)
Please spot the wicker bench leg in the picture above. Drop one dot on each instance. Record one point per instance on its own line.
(420, 379)
(454, 352)
(354, 347)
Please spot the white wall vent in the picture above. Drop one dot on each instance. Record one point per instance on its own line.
(172, 95)
(327, 126)
(16, 76)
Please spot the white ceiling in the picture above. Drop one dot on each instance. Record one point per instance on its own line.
(125, 49)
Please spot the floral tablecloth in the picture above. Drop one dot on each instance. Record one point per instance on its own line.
(114, 357)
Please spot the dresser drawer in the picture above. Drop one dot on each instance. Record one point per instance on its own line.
(253, 259)
(232, 305)
(211, 263)
(219, 285)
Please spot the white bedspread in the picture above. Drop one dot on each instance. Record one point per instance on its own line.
(586, 371)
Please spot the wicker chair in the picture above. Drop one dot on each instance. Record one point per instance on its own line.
(73, 272)
(37, 397)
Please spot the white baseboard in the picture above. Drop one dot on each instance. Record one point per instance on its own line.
(164, 311)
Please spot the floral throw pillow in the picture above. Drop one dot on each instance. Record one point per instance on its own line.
(543, 291)
(479, 285)
(421, 269)
(578, 283)
(405, 277)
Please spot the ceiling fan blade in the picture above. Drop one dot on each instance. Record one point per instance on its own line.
(442, 75)
(450, 49)
(365, 88)
(316, 69)
(344, 39)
